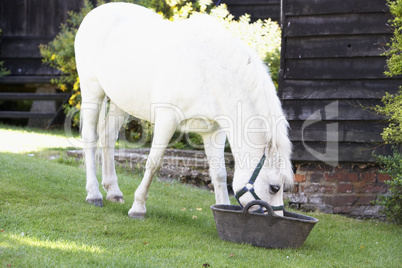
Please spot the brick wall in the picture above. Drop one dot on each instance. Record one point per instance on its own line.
(348, 188)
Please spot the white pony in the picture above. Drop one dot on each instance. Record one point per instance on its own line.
(190, 75)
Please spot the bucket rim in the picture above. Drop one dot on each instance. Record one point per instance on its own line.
(288, 216)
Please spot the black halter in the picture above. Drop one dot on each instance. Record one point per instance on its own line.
(249, 187)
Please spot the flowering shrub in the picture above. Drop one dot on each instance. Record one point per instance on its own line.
(264, 36)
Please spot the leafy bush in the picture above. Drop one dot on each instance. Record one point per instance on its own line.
(392, 203)
(392, 104)
(394, 62)
(392, 108)
(264, 36)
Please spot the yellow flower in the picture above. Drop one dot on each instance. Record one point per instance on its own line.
(63, 87)
(71, 101)
(78, 106)
(75, 87)
(53, 57)
(76, 84)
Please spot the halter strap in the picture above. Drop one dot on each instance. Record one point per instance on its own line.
(250, 187)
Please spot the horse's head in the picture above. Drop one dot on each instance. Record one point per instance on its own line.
(269, 178)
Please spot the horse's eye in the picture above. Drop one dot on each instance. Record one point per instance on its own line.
(274, 188)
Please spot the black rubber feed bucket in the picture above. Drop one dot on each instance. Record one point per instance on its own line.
(264, 230)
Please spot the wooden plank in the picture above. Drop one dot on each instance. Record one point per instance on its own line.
(35, 18)
(340, 24)
(27, 79)
(346, 152)
(348, 131)
(29, 67)
(22, 46)
(256, 11)
(346, 46)
(309, 7)
(13, 17)
(33, 96)
(9, 114)
(336, 68)
(337, 110)
(338, 89)
(250, 2)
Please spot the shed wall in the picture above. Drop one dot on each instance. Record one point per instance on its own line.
(332, 68)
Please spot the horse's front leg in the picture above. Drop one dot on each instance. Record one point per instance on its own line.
(165, 125)
(109, 129)
(214, 144)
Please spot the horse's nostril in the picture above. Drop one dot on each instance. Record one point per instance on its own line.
(274, 188)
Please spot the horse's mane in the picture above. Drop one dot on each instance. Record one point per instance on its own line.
(254, 75)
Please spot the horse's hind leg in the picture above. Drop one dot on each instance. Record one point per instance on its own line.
(109, 129)
(214, 144)
(165, 125)
(92, 97)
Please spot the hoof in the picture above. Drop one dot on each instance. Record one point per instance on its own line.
(95, 202)
(137, 216)
(117, 199)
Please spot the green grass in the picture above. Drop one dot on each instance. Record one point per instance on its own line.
(45, 222)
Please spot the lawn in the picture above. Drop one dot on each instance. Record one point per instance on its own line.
(45, 222)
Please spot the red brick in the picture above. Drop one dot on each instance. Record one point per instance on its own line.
(341, 200)
(373, 188)
(348, 177)
(365, 200)
(368, 177)
(295, 188)
(314, 167)
(315, 177)
(383, 177)
(300, 177)
(317, 188)
(345, 187)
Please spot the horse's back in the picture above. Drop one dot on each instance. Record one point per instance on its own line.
(98, 25)
(140, 59)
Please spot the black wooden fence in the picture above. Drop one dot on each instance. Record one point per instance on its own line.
(331, 68)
